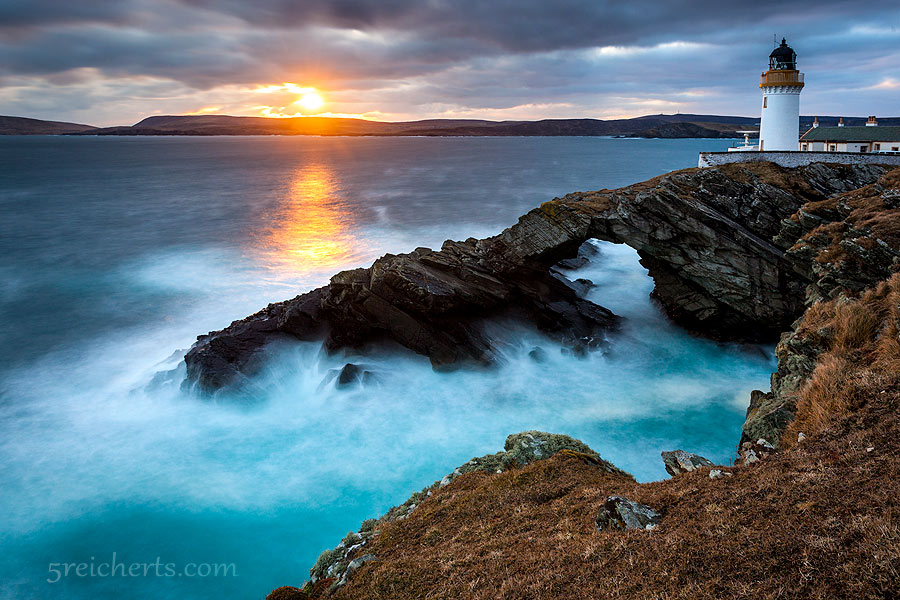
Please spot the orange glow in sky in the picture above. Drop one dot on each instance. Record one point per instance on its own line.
(310, 101)
(291, 100)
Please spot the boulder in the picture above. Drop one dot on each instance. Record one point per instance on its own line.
(679, 461)
(349, 375)
(538, 355)
(751, 452)
(621, 513)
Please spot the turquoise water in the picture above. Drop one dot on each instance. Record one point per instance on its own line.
(118, 252)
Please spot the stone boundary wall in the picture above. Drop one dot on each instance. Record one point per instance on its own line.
(797, 158)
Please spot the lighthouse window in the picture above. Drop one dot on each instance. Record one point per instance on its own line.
(765, 99)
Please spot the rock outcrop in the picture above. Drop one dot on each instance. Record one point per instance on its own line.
(679, 461)
(335, 566)
(712, 239)
(621, 513)
(839, 245)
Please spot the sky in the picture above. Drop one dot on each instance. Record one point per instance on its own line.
(115, 62)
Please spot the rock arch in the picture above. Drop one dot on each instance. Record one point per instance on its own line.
(709, 238)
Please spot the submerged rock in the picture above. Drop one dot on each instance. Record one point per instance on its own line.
(349, 376)
(538, 355)
(679, 461)
(621, 513)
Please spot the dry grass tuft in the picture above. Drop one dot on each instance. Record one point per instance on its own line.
(862, 338)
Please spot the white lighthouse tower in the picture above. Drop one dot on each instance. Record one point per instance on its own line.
(779, 126)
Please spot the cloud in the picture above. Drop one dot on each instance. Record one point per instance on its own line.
(409, 59)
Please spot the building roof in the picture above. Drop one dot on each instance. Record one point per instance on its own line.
(783, 57)
(852, 134)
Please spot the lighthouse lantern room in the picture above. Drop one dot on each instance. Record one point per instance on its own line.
(779, 126)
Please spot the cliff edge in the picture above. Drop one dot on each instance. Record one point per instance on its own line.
(809, 510)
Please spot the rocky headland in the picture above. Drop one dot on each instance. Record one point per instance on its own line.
(753, 252)
(715, 241)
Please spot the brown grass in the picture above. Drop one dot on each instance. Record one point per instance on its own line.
(808, 523)
(820, 520)
(861, 360)
(867, 211)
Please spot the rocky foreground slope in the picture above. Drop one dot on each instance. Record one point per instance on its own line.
(811, 510)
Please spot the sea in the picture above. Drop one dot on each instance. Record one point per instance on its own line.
(116, 252)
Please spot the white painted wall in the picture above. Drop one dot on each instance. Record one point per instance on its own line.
(850, 146)
(797, 159)
(887, 147)
(779, 124)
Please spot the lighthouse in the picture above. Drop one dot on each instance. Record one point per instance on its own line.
(779, 125)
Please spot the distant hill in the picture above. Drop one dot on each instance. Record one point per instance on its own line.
(646, 126)
(26, 126)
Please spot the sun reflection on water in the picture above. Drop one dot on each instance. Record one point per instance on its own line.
(315, 228)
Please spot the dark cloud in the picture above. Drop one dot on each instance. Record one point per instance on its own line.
(540, 25)
(29, 13)
(429, 57)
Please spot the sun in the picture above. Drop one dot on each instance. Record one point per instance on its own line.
(310, 101)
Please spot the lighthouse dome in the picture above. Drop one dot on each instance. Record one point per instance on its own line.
(783, 57)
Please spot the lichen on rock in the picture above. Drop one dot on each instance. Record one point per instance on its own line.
(679, 461)
(621, 513)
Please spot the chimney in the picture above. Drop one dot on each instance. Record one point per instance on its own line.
(815, 121)
(841, 122)
(872, 122)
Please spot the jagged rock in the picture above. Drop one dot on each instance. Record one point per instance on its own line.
(621, 513)
(349, 375)
(750, 452)
(586, 252)
(679, 461)
(704, 235)
(287, 593)
(841, 246)
(718, 474)
(333, 564)
(524, 448)
(351, 568)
